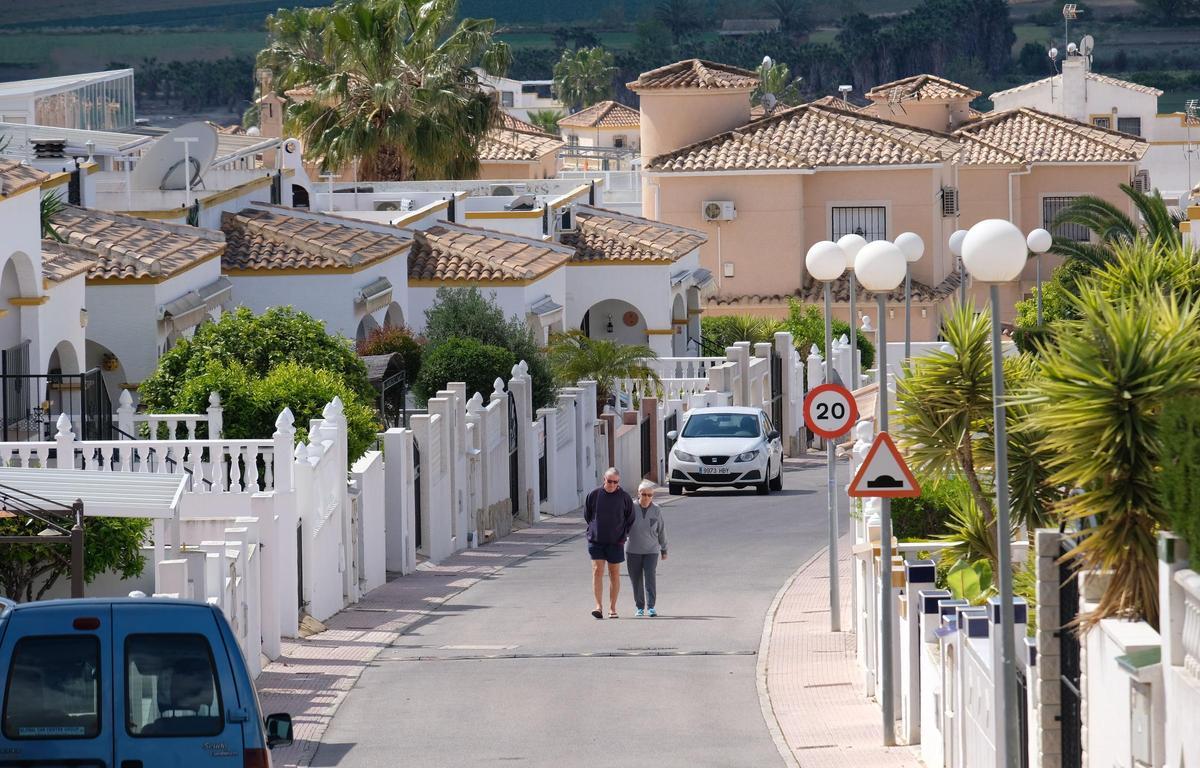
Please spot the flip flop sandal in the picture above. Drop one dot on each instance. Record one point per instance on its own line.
(597, 614)
(612, 614)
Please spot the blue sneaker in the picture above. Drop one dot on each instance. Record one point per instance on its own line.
(652, 612)
(641, 612)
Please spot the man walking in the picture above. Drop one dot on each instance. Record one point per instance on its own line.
(608, 511)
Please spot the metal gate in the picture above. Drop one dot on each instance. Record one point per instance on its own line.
(670, 424)
(776, 389)
(647, 462)
(1071, 717)
(543, 489)
(514, 485)
(416, 493)
(1023, 715)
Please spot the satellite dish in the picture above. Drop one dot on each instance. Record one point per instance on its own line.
(1052, 53)
(1086, 45)
(769, 101)
(162, 165)
(1071, 48)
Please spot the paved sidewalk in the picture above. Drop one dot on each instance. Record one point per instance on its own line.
(815, 702)
(313, 676)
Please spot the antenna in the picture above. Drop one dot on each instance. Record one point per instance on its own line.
(1070, 12)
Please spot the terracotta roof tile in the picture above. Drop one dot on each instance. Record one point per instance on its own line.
(922, 87)
(604, 235)
(695, 73)
(606, 114)
(451, 253)
(16, 177)
(1056, 81)
(811, 136)
(510, 123)
(61, 261)
(126, 247)
(504, 145)
(267, 240)
(1029, 136)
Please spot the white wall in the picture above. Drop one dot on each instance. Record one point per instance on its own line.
(514, 300)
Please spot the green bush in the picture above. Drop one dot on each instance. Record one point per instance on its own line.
(806, 322)
(925, 517)
(398, 341)
(1179, 481)
(726, 330)
(252, 404)
(468, 360)
(465, 313)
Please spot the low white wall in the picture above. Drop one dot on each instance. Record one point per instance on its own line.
(368, 475)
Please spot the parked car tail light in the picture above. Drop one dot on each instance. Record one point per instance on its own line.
(685, 456)
(747, 456)
(256, 758)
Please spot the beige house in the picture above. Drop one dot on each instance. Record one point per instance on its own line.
(607, 124)
(765, 191)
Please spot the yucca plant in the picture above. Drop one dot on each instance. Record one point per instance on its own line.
(575, 357)
(1112, 226)
(726, 330)
(49, 207)
(1104, 381)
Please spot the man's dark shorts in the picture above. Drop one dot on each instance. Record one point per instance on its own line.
(613, 553)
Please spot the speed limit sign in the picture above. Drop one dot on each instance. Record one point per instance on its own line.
(829, 410)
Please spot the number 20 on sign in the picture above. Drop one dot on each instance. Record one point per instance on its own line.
(830, 411)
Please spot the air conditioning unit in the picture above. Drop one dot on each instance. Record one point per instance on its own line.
(949, 201)
(403, 204)
(719, 210)
(1141, 182)
(566, 220)
(506, 190)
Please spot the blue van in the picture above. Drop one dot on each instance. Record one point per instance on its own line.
(128, 683)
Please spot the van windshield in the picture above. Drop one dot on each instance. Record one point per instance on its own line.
(53, 688)
(721, 425)
(172, 686)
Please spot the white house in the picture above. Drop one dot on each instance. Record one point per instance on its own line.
(1118, 105)
(520, 97)
(526, 276)
(608, 124)
(350, 274)
(149, 284)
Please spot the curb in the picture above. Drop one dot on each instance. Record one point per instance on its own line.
(760, 672)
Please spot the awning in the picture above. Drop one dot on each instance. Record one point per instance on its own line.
(104, 494)
(216, 293)
(544, 306)
(679, 277)
(375, 294)
(701, 277)
(184, 312)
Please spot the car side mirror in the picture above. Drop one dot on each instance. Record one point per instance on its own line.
(279, 730)
(773, 435)
(673, 435)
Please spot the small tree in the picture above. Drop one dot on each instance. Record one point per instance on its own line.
(547, 119)
(29, 571)
(395, 341)
(1179, 482)
(574, 357)
(807, 325)
(583, 77)
(466, 360)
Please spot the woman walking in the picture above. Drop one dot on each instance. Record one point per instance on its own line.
(647, 540)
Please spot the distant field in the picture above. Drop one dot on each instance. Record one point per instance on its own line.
(37, 54)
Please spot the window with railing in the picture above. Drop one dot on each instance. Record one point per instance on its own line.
(868, 221)
(1130, 125)
(1051, 208)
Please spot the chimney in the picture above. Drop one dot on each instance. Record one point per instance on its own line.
(1074, 87)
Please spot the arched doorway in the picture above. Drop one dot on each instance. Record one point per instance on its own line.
(112, 369)
(299, 196)
(365, 326)
(615, 320)
(679, 328)
(10, 321)
(394, 318)
(63, 391)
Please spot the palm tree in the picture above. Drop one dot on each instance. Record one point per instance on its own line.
(49, 207)
(680, 17)
(1106, 379)
(393, 84)
(575, 357)
(547, 119)
(583, 77)
(1111, 225)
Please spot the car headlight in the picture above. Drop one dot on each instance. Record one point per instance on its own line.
(685, 456)
(747, 456)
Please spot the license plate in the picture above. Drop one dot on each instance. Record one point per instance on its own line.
(712, 470)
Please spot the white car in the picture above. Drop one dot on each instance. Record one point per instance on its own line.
(730, 447)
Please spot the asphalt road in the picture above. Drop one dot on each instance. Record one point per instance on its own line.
(677, 690)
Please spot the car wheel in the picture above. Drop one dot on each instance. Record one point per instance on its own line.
(776, 482)
(763, 488)
(674, 489)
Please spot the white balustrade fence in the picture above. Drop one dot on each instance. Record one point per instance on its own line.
(129, 422)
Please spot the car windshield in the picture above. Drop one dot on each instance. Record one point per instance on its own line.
(721, 425)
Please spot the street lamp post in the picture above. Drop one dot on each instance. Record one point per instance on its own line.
(851, 244)
(880, 267)
(913, 247)
(994, 252)
(956, 241)
(1039, 241)
(826, 262)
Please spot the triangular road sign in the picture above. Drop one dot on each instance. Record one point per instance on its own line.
(884, 474)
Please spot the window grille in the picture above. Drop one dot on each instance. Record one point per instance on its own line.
(1102, 122)
(1130, 125)
(1051, 207)
(868, 221)
(949, 201)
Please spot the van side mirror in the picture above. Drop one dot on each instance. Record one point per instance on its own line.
(279, 730)
(773, 435)
(673, 435)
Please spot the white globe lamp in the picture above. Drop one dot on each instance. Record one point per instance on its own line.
(956, 241)
(825, 261)
(911, 244)
(851, 244)
(880, 266)
(1039, 241)
(994, 251)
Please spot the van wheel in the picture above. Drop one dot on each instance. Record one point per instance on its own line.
(674, 489)
(777, 481)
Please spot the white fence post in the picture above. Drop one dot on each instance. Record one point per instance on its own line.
(262, 506)
(400, 517)
(125, 415)
(65, 446)
(216, 417)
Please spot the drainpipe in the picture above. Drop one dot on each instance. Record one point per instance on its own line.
(1011, 206)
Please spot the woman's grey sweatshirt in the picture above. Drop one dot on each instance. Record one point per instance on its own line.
(648, 536)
